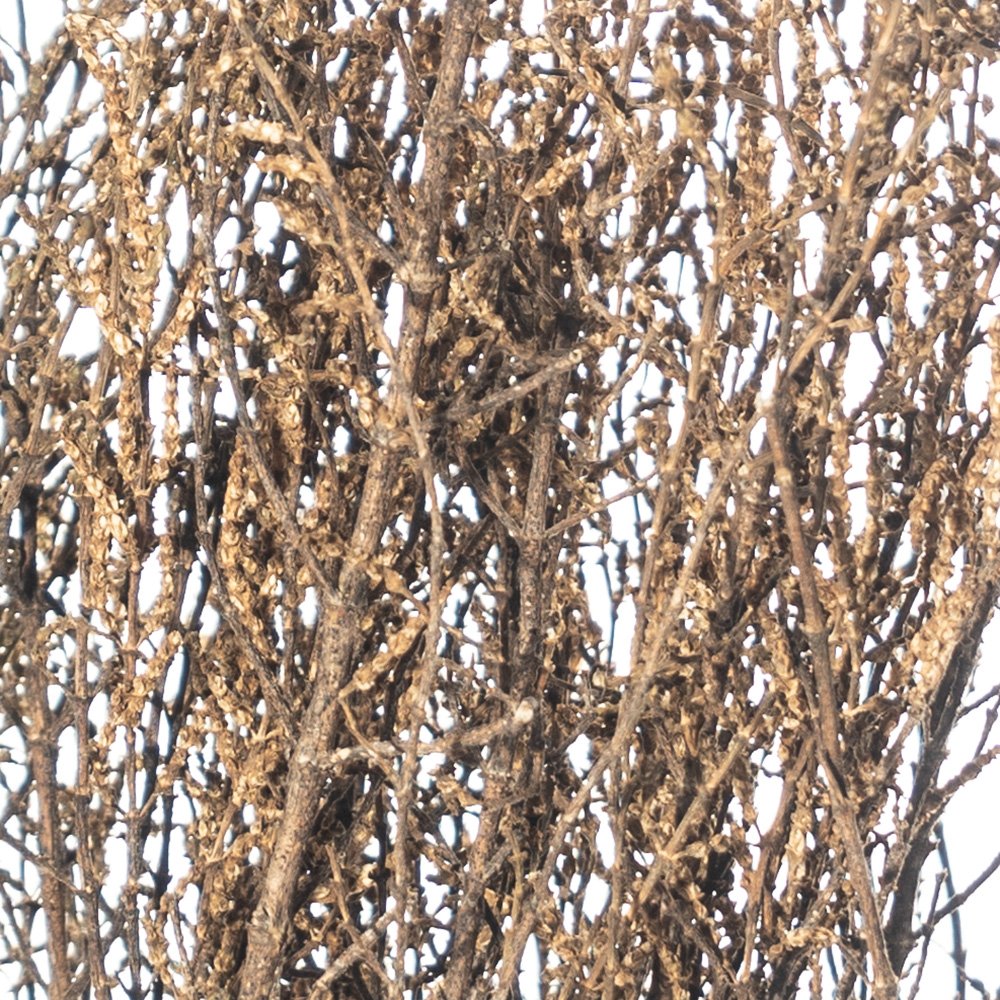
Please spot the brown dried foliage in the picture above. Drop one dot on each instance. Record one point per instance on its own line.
(459, 563)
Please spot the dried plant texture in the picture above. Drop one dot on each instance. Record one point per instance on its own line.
(495, 502)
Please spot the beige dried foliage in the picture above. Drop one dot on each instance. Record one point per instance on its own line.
(468, 487)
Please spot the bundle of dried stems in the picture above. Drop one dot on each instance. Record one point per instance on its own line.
(446, 551)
